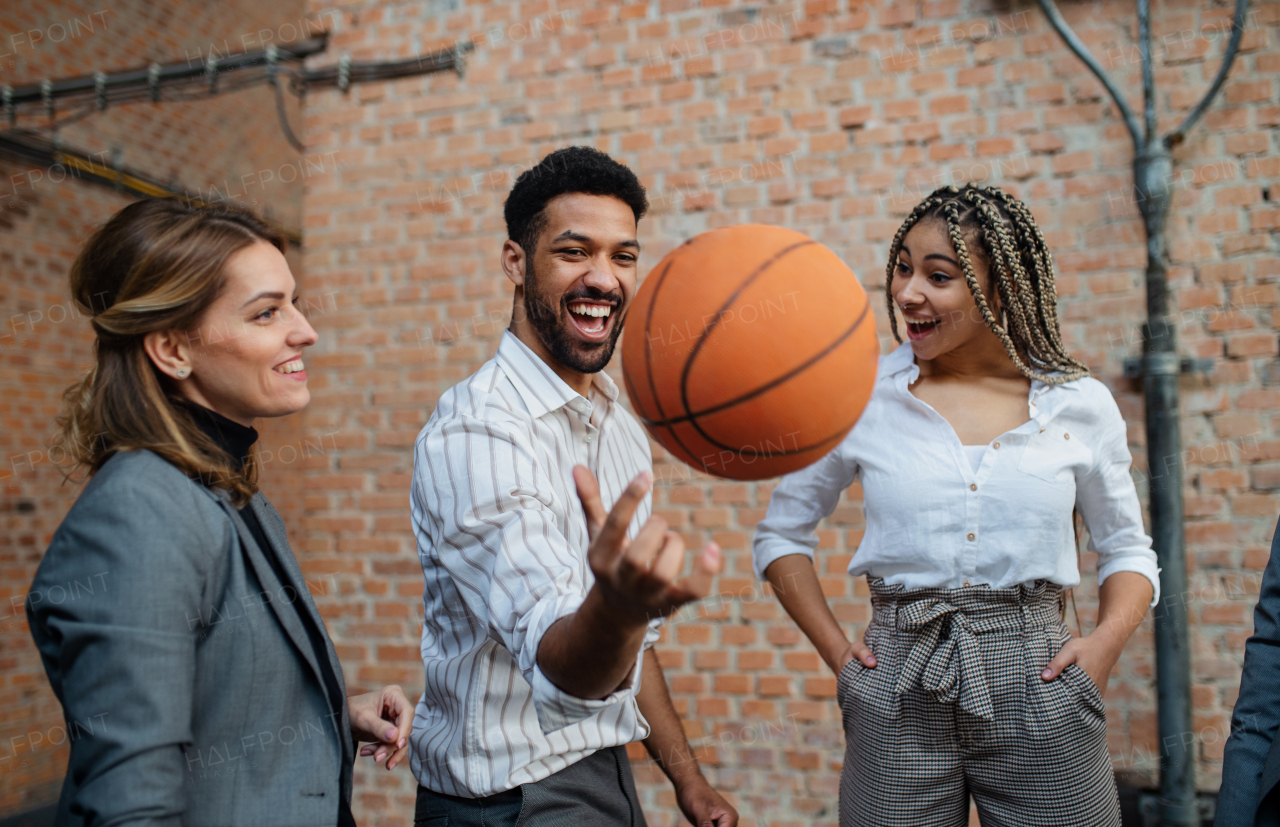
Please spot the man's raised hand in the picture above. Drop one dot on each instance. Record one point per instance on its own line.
(639, 576)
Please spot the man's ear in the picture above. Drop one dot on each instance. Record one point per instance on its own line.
(169, 351)
(513, 262)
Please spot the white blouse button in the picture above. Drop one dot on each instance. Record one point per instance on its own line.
(996, 446)
(1066, 436)
(973, 486)
(971, 538)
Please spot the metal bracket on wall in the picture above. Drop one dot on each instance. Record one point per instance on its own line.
(344, 73)
(1164, 363)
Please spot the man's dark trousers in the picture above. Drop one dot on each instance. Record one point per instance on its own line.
(595, 791)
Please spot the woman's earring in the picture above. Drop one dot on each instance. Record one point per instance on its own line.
(182, 373)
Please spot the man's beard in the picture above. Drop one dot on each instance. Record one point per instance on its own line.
(551, 324)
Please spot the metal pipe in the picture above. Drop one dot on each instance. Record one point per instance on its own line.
(159, 75)
(1153, 174)
(40, 151)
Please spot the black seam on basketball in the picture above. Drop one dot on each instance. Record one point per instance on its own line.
(697, 347)
(771, 384)
(836, 437)
(706, 331)
(648, 355)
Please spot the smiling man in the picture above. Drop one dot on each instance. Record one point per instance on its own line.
(546, 576)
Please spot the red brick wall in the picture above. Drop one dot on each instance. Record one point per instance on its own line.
(45, 344)
(832, 117)
(35, 251)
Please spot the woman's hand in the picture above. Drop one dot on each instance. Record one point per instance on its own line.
(384, 717)
(858, 650)
(1122, 601)
(1095, 655)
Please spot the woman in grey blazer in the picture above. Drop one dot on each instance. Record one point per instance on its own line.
(197, 679)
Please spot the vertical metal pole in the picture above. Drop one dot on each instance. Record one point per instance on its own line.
(1153, 173)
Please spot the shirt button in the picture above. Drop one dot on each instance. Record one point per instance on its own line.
(973, 486)
(966, 582)
(996, 446)
(1066, 436)
(971, 538)
(589, 438)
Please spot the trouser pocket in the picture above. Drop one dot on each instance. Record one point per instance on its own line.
(846, 676)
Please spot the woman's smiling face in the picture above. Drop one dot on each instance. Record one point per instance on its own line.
(246, 355)
(930, 289)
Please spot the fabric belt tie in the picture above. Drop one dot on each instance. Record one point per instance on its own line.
(948, 672)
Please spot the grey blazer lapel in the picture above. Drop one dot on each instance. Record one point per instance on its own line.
(289, 618)
(273, 529)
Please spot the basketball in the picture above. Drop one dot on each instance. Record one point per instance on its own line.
(750, 351)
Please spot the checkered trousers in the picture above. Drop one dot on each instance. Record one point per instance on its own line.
(956, 706)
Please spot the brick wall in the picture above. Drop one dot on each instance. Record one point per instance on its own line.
(45, 344)
(832, 117)
(829, 116)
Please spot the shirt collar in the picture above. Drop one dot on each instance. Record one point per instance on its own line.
(1048, 399)
(538, 385)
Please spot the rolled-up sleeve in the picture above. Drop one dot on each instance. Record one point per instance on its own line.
(799, 502)
(494, 531)
(1108, 502)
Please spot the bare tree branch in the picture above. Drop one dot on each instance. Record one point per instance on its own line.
(1233, 47)
(1076, 45)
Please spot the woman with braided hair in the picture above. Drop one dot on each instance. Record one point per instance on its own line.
(982, 437)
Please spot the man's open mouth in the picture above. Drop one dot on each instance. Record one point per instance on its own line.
(591, 318)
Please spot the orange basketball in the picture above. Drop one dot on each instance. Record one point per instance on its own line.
(750, 351)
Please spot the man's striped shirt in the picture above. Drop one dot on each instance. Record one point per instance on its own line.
(503, 544)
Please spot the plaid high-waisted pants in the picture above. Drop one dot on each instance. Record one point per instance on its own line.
(956, 706)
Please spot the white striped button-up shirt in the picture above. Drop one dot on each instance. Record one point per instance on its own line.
(935, 521)
(503, 544)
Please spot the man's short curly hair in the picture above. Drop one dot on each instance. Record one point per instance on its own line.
(572, 169)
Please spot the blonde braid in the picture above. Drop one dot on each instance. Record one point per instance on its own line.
(1018, 297)
(1043, 262)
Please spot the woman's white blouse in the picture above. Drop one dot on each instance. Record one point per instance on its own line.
(932, 521)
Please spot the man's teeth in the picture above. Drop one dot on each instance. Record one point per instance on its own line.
(590, 309)
(290, 367)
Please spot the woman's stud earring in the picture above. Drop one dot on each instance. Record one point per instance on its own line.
(182, 373)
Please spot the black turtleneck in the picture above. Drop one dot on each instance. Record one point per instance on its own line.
(227, 434)
(237, 440)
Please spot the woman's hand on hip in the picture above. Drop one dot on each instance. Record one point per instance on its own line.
(384, 717)
(858, 650)
(1095, 655)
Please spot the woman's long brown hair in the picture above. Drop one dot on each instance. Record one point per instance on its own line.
(156, 265)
